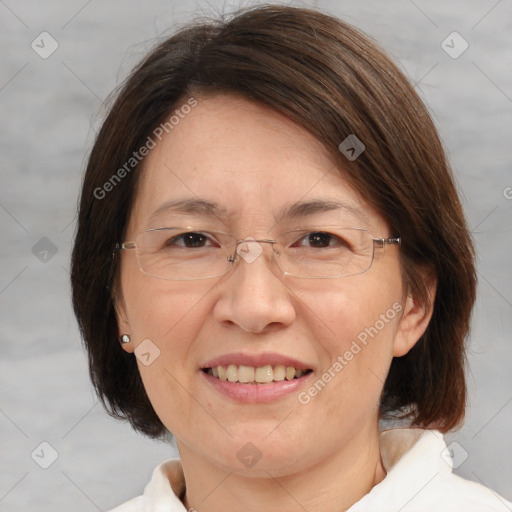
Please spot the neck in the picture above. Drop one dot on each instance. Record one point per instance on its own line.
(332, 485)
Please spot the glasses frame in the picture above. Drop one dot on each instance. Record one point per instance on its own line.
(379, 243)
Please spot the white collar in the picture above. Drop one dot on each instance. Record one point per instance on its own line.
(412, 458)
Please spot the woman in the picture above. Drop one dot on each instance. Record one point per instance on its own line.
(270, 259)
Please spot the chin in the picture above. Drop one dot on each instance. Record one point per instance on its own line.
(258, 453)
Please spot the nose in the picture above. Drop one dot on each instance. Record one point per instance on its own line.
(253, 295)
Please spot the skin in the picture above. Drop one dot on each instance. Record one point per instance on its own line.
(251, 161)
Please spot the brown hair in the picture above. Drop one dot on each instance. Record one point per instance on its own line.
(334, 81)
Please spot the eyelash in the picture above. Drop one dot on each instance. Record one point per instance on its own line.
(298, 242)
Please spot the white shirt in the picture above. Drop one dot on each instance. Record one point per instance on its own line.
(419, 479)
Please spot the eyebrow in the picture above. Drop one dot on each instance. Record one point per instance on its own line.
(316, 206)
(195, 206)
(292, 211)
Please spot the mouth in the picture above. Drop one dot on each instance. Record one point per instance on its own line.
(260, 375)
(255, 378)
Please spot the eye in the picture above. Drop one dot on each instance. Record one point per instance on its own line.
(320, 240)
(190, 240)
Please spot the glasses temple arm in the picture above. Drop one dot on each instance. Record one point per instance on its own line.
(381, 242)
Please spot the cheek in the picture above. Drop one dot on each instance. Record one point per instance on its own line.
(162, 310)
(358, 309)
(355, 327)
(170, 316)
(164, 319)
(355, 361)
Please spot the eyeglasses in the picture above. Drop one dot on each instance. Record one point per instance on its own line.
(179, 254)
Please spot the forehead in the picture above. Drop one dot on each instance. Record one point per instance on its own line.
(246, 158)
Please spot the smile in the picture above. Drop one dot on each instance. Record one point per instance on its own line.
(255, 375)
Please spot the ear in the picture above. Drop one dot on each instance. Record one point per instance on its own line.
(122, 319)
(416, 316)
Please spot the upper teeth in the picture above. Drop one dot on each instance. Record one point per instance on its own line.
(261, 374)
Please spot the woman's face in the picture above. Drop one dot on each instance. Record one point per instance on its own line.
(254, 165)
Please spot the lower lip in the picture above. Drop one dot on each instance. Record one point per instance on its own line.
(255, 393)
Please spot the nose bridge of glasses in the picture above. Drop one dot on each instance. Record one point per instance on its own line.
(255, 240)
(249, 249)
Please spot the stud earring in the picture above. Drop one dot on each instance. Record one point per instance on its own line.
(125, 338)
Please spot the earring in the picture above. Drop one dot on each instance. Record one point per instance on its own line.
(125, 338)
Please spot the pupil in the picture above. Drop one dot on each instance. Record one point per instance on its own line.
(194, 240)
(319, 239)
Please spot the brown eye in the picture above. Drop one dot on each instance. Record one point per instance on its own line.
(320, 240)
(189, 240)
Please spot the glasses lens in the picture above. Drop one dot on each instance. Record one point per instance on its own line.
(325, 252)
(319, 252)
(182, 254)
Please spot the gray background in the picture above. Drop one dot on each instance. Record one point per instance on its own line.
(50, 111)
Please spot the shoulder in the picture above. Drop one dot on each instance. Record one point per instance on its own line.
(449, 492)
(162, 492)
(420, 478)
